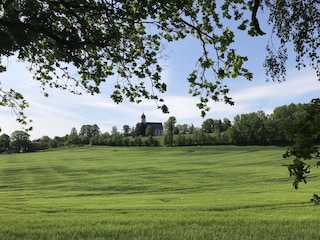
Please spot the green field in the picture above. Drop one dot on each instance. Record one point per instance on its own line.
(220, 192)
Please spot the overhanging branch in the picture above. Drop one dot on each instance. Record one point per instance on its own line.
(254, 17)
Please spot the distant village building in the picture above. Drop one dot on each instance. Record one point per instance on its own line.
(157, 128)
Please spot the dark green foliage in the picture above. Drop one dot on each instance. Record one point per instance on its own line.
(149, 131)
(20, 141)
(296, 22)
(137, 141)
(101, 39)
(168, 139)
(151, 141)
(251, 129)
(126, 130)
(281, 117)
(140, 129)
(298, 169)
(208, 126)
(175, 130)
(4, 142)
(304, 131)
(89, 130)
(315, 199)
(169, 125)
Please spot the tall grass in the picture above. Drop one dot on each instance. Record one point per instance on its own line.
(222, 192)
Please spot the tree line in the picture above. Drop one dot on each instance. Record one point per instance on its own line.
(255, 128)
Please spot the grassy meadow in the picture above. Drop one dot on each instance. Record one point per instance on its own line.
(216, 192)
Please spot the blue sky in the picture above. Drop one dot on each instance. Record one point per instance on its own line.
(61, 111)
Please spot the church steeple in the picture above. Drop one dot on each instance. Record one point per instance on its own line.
(143, 118)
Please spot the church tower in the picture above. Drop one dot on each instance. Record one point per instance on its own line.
(143, 118)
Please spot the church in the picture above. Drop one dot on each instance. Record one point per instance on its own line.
(157, 127)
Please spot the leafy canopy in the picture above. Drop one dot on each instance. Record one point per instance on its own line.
(98, 39)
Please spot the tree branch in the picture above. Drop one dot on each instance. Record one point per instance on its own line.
(254, 17)
(39, 29)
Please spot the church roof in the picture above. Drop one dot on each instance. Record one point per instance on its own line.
(155, 125)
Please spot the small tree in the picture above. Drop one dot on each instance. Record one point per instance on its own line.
(208, 126)
(73, 138)
(20, 141)
(168, 139)
(170, 124)
(169, 127)
(4, 142)
(191, 129)
(140, 129)
(149, 131)
(89, 130)
(126, 130)
(42, 143)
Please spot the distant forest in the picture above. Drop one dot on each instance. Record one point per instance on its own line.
(256, 128)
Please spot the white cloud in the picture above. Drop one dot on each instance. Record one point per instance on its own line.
(299, 84)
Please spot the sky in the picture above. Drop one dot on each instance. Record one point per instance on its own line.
(57, 114)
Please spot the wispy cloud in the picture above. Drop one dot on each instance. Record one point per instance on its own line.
(299, 84)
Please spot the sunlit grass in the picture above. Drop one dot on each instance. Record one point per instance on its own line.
(223, 192)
